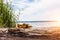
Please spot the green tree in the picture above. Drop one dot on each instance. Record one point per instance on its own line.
(7, 17)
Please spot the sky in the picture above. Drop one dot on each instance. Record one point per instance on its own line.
(37, 10)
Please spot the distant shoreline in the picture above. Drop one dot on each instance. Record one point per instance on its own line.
(33, 21)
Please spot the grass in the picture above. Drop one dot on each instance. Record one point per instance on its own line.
(7, 17)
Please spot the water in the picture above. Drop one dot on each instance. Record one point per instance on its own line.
(41, 24)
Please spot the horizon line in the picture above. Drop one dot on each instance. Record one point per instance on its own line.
(51, 21)
(36, 21)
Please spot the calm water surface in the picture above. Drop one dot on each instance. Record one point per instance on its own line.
(39, 24)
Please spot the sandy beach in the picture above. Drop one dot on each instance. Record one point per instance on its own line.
(33, 37)
(47, 36)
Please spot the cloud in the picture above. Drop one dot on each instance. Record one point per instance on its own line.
(39, 9)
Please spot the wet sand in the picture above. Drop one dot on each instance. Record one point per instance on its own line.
(7, 36)
(32, 37)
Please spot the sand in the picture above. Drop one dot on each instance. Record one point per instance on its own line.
(7, 36)
(32, 37)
